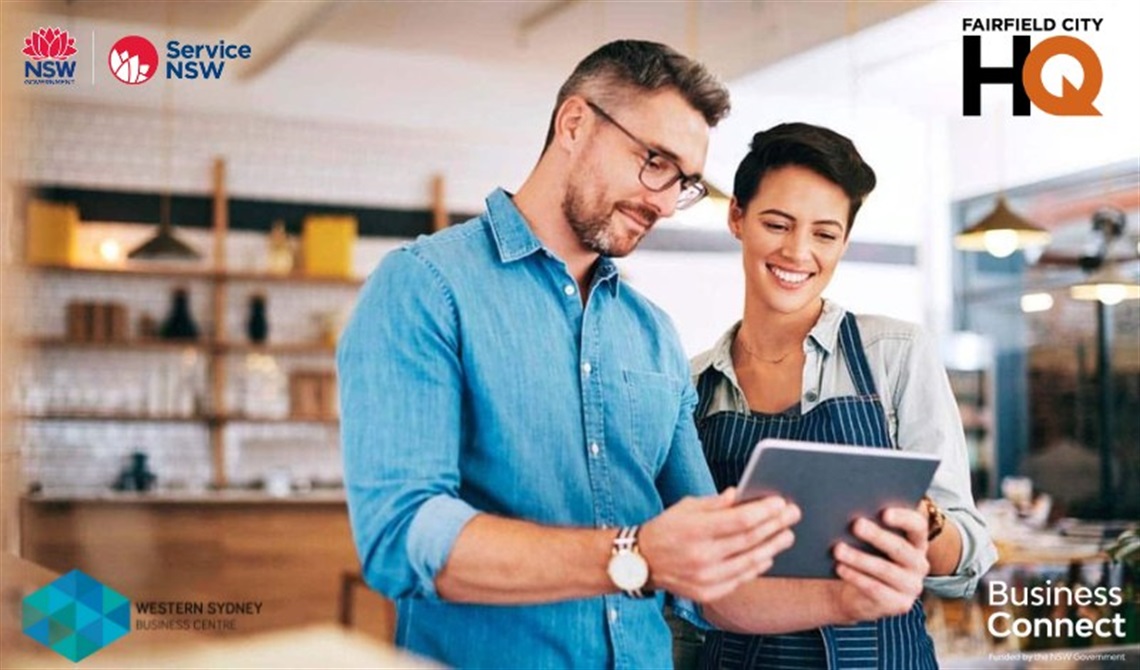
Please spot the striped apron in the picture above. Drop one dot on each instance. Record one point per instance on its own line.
(893, 643)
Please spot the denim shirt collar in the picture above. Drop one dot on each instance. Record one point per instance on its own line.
(514, 238)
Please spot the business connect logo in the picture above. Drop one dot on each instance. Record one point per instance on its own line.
(76, 616)
(1026, 73)
(133, 60)
(48, 52)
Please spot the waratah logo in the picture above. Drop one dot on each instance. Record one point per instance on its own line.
(50, 43)
(133, 60)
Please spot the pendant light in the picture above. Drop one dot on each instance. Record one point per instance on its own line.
(1001, 232)
(164, 246)
(1107, 284)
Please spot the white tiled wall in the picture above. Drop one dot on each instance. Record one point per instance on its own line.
(123, 148)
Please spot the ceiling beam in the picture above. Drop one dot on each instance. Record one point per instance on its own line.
(273, 29)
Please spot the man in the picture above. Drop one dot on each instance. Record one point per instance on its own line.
(517, 422)
(522, 464)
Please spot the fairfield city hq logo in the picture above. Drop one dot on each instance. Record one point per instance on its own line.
(133, 60)
(49, 52)
(1025, 74)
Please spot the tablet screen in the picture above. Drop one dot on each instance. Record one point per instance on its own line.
(833, 485)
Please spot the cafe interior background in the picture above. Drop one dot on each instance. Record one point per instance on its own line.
(170, 425)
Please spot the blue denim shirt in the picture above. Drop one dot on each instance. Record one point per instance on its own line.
(473, 379)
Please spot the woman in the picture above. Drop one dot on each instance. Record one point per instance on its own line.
(798, 366)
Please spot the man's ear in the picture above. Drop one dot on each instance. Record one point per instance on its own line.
(570, 121)
(735, 218)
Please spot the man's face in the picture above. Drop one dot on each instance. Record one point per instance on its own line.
(606, 203)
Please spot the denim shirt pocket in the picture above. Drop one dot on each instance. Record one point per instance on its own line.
(654, 404)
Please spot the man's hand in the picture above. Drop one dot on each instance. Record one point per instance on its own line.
(871, 587)
(703, 548)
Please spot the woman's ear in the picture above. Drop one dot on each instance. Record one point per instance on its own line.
(735, 218)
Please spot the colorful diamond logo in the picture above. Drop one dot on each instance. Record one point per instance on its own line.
(76, 616)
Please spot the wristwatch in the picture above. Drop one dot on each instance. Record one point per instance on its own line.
(627, 568)
(935, 517)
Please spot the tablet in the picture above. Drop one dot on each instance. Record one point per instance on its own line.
(833, 485)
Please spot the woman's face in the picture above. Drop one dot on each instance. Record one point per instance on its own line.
(793, 234)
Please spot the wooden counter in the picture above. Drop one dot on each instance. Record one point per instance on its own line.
(323, 646)
(290, 554)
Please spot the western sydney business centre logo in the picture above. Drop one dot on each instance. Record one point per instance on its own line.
(1025, 74)
(134, 59)
(76, 616)
(48, 53)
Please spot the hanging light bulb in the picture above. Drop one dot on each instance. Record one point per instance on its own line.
(1108, 286)
(1036, 302)
(1001, 232)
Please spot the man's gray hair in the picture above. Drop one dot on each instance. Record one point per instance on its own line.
(624, 67)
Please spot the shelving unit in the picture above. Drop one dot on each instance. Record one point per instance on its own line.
(217, 346)
(972, 389)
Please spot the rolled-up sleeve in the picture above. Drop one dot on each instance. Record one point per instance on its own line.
(928, 421)
(400, 386)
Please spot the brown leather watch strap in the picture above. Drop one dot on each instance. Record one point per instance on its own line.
(935, 518)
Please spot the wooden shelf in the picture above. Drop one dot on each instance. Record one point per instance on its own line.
(237, 418)
(149, 270)
(125, 345)
(216, 419)
(196, 272)
(271, 349)
(274, 348)
(113, 416)
(289, 279)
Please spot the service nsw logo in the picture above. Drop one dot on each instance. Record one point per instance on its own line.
(1026, 71)
(134, 59)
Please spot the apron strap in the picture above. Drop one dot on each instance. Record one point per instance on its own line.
(706, 386)
(852, 345)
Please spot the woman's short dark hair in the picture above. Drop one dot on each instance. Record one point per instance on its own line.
(624, 67)
(821, 150)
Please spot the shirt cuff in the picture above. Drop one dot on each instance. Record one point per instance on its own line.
(690, 611)
(978, 555)
(431, 536)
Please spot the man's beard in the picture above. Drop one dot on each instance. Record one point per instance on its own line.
(594, 227)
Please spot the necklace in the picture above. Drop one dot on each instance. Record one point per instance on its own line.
(770, 361)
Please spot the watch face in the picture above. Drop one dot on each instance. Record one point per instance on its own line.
(628, 570)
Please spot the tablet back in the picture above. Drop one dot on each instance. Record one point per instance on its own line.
(833, 485)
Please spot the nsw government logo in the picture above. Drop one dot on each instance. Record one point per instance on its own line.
(133, 60)
(76, 616)
(49, 52)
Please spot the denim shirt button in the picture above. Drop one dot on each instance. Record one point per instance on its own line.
(613, 615)
(594, 449)
(569, 289)
(586, 368)
(811, 396)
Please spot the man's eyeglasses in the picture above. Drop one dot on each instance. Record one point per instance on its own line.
(660, 172)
